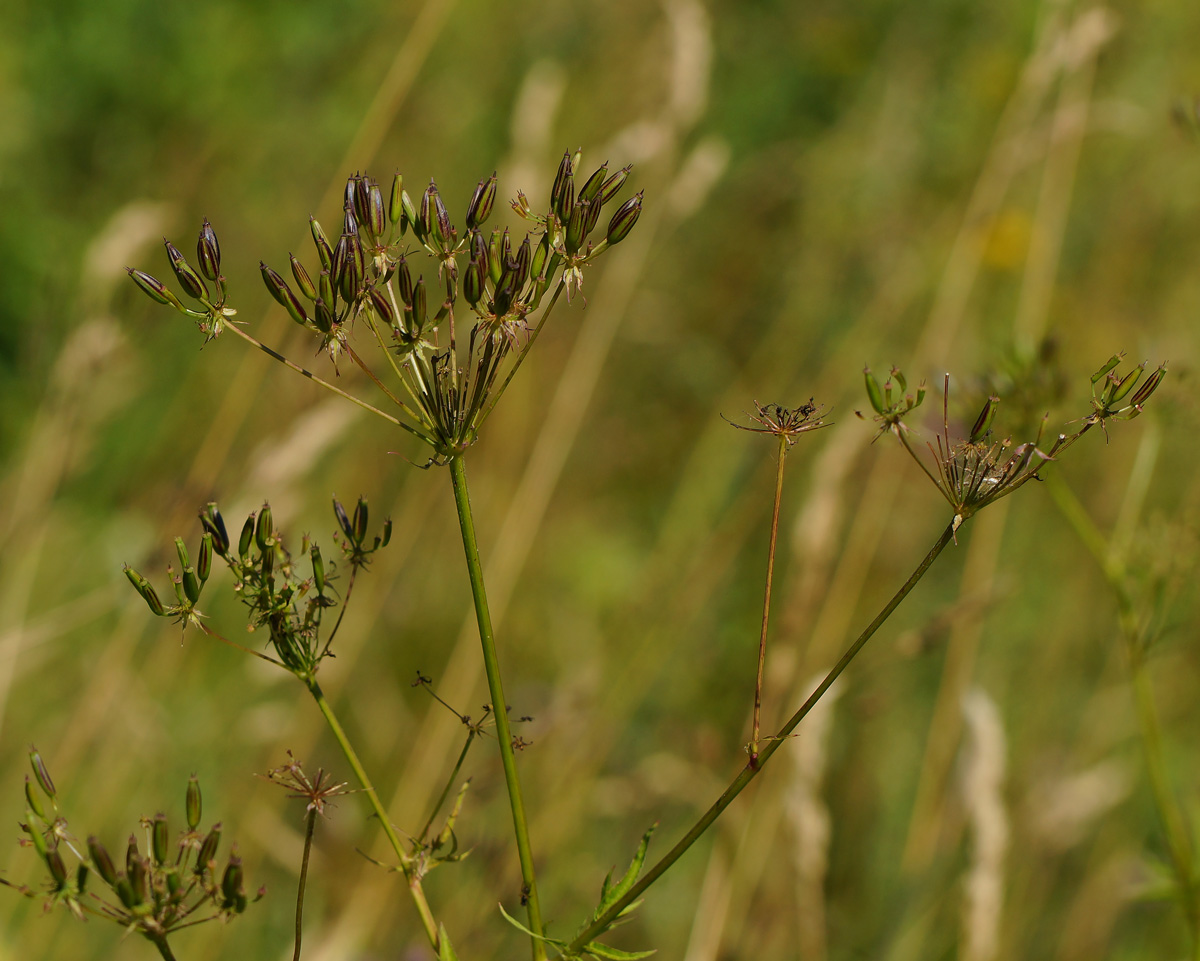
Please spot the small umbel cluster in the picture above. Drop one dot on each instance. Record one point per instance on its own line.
(979, 469)
(446, 389)
(159, 889)
(290, 606)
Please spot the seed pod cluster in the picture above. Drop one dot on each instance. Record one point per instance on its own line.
(154, 891)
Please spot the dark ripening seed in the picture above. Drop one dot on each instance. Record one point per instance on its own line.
(303, 280)
(376, 219)
(383, 306)
(149, 595)
(325, 287)
(154, 288)
(193, 805)
(480, 207)
(324, 251)
(348, 194)
(343, 521)
(874, 394)
(132, 855)
(495, 264)
(419, 303)
(504, 297)
(341, 254)
(32, 800)
(246, 536)
(473, 283)
(425, 216)
(350, 223)
(593, 215)
(540, 255)
(591, 189)
(360, 521)
(523, 260)
(208, 252)
(204, 561)
(102, 861)
(41, 774)
(318, 566)
(191, 584)
(279, 289)
(395, 205)
(264, 529)
(479, 248)
(231, 881)
(58, 870)
(212, 521)
(159, 837)
(623, 220)
(561, 178)
(566, 202)
(208, 849)
(324, 317)
(404, 282)
(574, 238)
(362, 201)
(614, 184)
(188, 279)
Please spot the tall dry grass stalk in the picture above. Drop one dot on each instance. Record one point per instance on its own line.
(984, 759)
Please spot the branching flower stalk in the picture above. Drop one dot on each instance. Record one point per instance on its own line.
(786, 424)
(970, 474)
(291, 609)
(452, 382)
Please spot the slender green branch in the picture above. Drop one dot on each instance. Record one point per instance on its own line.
(1179, 843)
(414, 883)
(749, 772)
(365, 368)
(310, 823)
(164, 949)
(762, 637)
(324, 383)
(491, 663)
(462, 756)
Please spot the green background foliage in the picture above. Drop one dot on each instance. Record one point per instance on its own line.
(826, 185)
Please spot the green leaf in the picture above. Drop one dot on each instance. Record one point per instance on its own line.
(610, 895)
(445, 951)
(520, 927)
(598, 950)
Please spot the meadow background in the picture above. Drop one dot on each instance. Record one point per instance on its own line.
(996, 190)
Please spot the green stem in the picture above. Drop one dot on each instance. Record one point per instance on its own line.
(310, 823)
(749, 772)
(160, 942)
(1175, 829)
(762, 637)
(491, 664)
(414, 882)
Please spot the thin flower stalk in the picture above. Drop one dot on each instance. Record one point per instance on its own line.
(786, 424)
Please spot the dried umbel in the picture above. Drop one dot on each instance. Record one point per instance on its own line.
(158, 889)
(446, 384)
(974, 471)
(786, 423)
